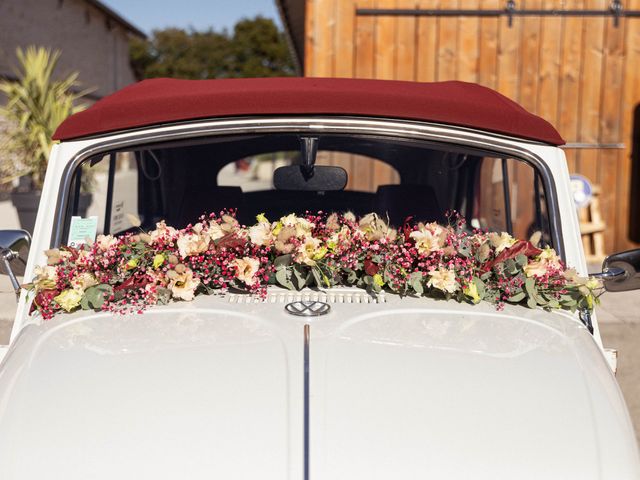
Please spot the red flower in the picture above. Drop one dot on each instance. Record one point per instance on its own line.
(370, 267)
(521, 247)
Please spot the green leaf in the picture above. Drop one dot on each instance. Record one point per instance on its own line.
(415, 281)
(531, 303)
(282, 261)
(94, 297)
(517, 298)
(317, 277)
(164, 295)
(530, 286)
(299, 277)
(283, 277)
(480, 285)
(352, 276)
(521, 260)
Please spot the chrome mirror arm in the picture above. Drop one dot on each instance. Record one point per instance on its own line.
(610, 273)
(7, 256)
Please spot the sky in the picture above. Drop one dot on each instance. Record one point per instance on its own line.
(199, 14)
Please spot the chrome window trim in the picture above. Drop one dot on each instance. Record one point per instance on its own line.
(320, 124)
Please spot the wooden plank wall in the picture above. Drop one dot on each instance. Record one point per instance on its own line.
(580, 73)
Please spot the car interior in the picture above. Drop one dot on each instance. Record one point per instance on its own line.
(278, 174)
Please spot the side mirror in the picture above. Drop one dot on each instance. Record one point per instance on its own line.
(621, 271)
(14, 247)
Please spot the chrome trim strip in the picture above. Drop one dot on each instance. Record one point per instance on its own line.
(306, 401)
(366, 126)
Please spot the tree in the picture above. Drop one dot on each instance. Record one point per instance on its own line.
(255, 49)
(36, 105)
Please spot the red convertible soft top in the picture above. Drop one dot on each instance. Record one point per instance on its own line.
(164, 100)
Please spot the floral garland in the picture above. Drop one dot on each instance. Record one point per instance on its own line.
(128, 273)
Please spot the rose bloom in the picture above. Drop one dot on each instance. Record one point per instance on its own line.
(550, 257)
(162, 232)
(429, 238)
(310, 251)
(183, 285)
(191, 244)
(261, 234)
(443, 279)
(68, 299)
(283, 243)
(375, 228)
(247, 268)
(302, 225)
(536, 268)
(45, 277)
(55, 255)
(501, 241)
(106, 242)
(82, 281)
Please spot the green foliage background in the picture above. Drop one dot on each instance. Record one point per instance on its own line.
(255, 48)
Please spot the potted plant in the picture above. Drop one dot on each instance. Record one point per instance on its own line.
(36, 104)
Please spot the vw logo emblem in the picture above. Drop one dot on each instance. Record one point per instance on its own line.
(307, 308)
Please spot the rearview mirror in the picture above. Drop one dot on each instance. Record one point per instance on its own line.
(628, 263)
(14, 248)
(316, 178)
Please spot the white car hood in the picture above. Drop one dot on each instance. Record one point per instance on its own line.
(407, 389)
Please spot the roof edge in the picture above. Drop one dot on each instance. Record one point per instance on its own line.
(117, 17)
(297, 56)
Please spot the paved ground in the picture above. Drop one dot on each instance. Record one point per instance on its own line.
(619, 320)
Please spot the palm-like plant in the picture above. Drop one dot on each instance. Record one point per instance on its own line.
(37, 104)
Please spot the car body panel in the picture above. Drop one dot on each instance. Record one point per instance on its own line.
(404, 386)
(172, 394)
(399, 388)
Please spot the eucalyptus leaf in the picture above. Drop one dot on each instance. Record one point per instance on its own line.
(522, 260)
(299, 277)
(282, 261)
(95, 296)
(283, 277)
(415, 280)
(164, 295)
(317, 277)
(517, 298)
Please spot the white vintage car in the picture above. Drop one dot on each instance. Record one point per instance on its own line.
(314, 383)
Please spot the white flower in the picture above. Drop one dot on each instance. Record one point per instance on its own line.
(549, 256)
(443, 279)
(375, 228)
(162, 232)
(247, 268)
(261, 234)
(45, 277)
(215, 231)
(310, 251)
(105, 242)
(302, 225)
(536, 269)
(192, 244)
(429, 238)
(46, 273)
(183, 285)
(501, 241)
(82, 281)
